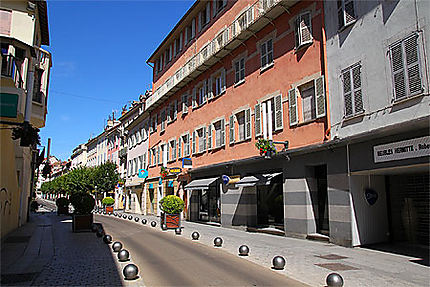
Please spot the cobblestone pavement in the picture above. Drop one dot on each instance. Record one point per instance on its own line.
(358, 266)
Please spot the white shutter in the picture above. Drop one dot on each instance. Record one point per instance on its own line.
(413, 69)
(222, 132)
(204, 138)
(210, 88)
(320, 96)
(248, 124)
(194, 99)
(193, 28)
(193, 151)
(257, 115)
(209, 137)
(223, 81)
(279, 113)
(231, 128)
(180, 147)
(208, 11)
(292, 106)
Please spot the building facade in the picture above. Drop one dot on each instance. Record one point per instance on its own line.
(219, 90)
(379, 114)
(25, 72)
(79, 156)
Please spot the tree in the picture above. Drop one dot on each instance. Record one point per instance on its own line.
(80, 180)
(106, 177)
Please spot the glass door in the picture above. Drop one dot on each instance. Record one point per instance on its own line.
(204, 205)
(214, 205)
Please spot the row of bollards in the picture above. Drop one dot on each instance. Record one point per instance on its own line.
(130, 271)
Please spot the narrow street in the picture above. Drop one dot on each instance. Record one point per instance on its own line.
(167, 259)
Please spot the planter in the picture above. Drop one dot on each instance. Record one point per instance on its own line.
(82, 222)
(62, 210)
(109, 209)
(172, 221)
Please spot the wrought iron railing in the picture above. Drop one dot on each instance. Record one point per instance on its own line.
(240, 24)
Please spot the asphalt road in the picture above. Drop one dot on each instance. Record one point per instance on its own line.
(165, 259)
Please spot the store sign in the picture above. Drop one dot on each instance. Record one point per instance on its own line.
(371, 196)
(8, 105)
(175, 170)
(143, 173)
(412, 148)
(225, 179)
(187, 162)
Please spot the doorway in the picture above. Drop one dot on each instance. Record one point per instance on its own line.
(322, 218)
(270, 204)
(152, 203)
(210, 205)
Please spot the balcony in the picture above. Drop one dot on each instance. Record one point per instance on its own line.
(9, 69)
(252, 20)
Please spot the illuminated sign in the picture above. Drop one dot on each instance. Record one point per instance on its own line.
(175, 170)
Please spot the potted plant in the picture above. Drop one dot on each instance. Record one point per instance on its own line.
(62, 206)
(108, 204)
(83, 204)
(172, 206)
(266, 147)
(164, 172)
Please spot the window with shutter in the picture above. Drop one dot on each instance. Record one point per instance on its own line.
(163, 120)
(241, 126)
(257, 115)
(194, 99)
(174, 149)
(320, 97)
(352, 92)
(204, 138)
(194, 143)
(167, 147)
(187, 145)
(180, 42)
(231, 128)
(180, 147)
(345, 12)
(185, 104)
(222, 132)
(266, 54)
(239, 70)
(210, 88)
(209, 131)
(303, 29)
(279, 113)
(292, 106)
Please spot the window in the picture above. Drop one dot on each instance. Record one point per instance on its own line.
(204, 16)
(303, 29)
(266, 53)
(406, 68)
(153, 124)
(352, 95)
(312, 98)
(268, 117)
(37, 93)
(190, 31)
(220, 82)
(138, 137)
(184, 104)
(186, 142)
(240, 118)
(172, 111)
(219, 133)
(200, 140)
(218, 6)
(201, 93)
(171, 154)
(345, 13)
(157, 155)
(135, 166)
(163, 120)
(239, 71)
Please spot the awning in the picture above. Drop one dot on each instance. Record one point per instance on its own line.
(200, 183)
(258, 179)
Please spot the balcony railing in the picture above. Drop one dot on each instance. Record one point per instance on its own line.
(10, 69)
(226, 36)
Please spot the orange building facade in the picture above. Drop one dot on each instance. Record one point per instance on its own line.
(228, 75)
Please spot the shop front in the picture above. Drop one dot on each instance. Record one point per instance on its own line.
(205, 200)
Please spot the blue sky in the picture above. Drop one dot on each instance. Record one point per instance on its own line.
(99, 52)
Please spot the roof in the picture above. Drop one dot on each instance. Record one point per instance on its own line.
(150, 59)
(43, 20)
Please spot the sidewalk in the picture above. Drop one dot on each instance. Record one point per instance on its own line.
(358, 266)
(45, 252)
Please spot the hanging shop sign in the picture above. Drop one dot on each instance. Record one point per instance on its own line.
(143, 173)
(225, 179)
(187, 162)
(412, 148)
(371, 196)
(175, 170)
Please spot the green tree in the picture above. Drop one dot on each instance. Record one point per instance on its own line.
(106, 177)
(80, 180)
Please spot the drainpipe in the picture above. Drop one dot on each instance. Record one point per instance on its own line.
(324, 52)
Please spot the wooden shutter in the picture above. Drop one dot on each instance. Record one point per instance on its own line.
(194, 98)
(248, 124)
(231, 128)
(209, 137)
(193, 28)
(180, 147)
(320, 96)
(222, 132)
(193, 151)
(175, 109)
(257, 115)
(223, 81)
(279, 113)
(347, 93)
(305, 28)
(356, 81)
(204, 138)
(292, 106)
(398, 71)
(210, 88)
(413, 65)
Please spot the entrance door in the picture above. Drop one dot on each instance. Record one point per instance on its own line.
(322, 220)
(152, 203)
(270, 204)
(204, 205)
(210, 205)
